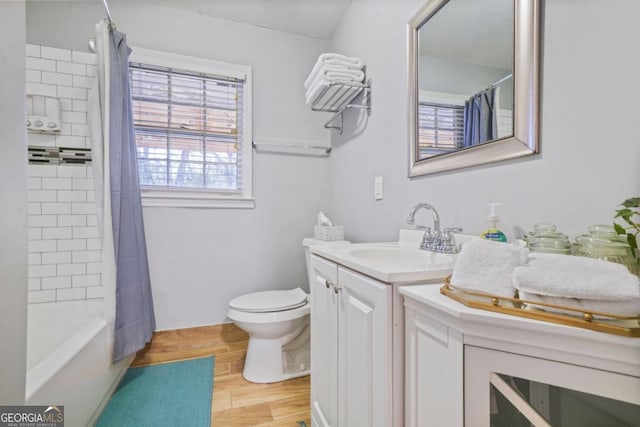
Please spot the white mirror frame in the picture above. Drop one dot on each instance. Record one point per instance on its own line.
(526, 96)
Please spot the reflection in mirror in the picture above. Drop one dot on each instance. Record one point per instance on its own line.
(465, 69)
(473, 77)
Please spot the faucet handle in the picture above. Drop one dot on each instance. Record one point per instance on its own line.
(448, 239)
(450, 230)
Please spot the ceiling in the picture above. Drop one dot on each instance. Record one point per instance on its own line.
(314, 18)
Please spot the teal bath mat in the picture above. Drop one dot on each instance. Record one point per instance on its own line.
(172, 394)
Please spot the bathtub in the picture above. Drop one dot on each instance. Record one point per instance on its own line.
(69, 359)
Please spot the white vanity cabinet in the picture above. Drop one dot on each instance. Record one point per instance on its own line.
(478, 368)
(351, 346)
(433, 372)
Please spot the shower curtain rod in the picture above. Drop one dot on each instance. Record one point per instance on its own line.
(111, 25)
(106, 8)
(508, 76)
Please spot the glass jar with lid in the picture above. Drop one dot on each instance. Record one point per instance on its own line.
(546, 238)
(602, 242)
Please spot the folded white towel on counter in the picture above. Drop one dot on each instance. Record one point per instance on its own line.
(336, 60)
(487, 266)
(576, 277)
(627, 308)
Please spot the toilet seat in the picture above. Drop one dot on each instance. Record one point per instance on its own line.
(269, 301)
(269, 316)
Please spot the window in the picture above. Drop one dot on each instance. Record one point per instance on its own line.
(440, 128)
(192, 120)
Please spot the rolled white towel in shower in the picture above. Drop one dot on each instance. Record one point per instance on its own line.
(576, 277)
(627, 308)
(487, 266)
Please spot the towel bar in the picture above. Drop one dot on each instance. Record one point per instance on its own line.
(284, 148)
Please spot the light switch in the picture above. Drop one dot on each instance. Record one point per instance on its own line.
(378, 192)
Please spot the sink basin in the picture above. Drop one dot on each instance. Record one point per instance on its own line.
(400, 256)
(393, 262)
(390, 262)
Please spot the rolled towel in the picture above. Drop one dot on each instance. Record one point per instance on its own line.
(336, 72)
(346, 96)
(342, 61)
(576, 277)
(628, 308)
(334, 77)
(329, 56)
(487, 266)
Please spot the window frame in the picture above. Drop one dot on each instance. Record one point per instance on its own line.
(205, 197)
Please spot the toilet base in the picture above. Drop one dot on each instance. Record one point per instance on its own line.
(270, 361)
(274, 379)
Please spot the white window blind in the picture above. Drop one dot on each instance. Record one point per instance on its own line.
(188, 128)
(440, 128)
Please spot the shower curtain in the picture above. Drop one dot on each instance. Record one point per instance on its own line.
(118, 194)
(480, 124)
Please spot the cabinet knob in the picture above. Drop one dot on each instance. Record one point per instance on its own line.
(328, 284)
(336, 289)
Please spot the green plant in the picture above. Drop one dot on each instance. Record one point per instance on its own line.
(630, 214)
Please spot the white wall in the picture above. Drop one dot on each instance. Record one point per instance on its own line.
(201, 258)
(13, 214)
(589, 128)
(455, 76)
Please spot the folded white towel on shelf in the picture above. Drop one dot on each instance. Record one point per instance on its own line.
(329, 56)
(338, 61)
(487, 266)
(332, 76)
(333, 71)
(629, 308)
(315, 91)
(576, 277)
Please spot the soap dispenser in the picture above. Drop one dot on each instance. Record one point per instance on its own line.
(494, 225)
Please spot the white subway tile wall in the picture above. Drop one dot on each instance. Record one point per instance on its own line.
(64, 244)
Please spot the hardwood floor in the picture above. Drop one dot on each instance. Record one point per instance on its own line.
(236, 402)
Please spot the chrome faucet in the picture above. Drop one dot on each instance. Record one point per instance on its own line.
(436, 218)
(434, 240)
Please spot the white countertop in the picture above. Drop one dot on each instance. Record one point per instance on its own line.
(391, 271)
(512, 332)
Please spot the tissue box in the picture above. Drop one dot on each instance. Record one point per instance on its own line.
(328, 232)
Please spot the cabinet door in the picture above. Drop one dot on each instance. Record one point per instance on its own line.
(364, 351)
(433, 373)
(506, 389)
(324, 342)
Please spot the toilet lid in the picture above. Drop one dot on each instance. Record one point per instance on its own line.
(260, 302)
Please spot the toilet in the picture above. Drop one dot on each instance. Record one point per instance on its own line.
(278, 325)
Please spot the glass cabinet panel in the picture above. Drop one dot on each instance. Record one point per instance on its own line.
(511, 390)
(555, 406)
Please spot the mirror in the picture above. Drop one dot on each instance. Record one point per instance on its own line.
(473, 83)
